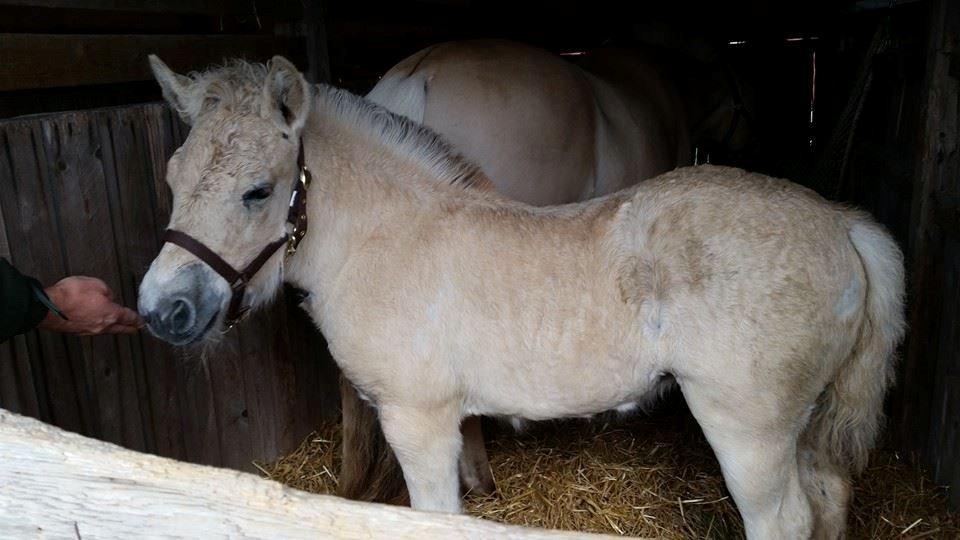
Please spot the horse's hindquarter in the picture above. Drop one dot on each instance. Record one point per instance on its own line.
(752, 282)
(524, 115)
(641, 124)
(544, 130)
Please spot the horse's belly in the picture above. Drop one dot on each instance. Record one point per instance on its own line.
(565, 351)
(541, 386)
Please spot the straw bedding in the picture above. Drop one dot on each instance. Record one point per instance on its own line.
(642, 476)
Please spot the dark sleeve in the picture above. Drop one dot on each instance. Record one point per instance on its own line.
(20, 307)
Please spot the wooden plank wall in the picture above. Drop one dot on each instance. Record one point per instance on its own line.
(84, 193)
(63, 55)
(927, 408)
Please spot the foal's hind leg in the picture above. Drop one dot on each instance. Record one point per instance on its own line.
(427, 443)
(828, 488)
(757, 452)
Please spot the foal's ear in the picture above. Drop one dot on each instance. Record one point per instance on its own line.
(286, 96)
(177, 89)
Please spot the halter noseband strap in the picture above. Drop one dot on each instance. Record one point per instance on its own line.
(238, 279)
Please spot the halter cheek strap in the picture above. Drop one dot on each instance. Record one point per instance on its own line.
(238, 279)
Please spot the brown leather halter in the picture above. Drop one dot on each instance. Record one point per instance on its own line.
(238, 279)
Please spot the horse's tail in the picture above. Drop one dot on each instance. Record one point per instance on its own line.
(403, 89)
(369, 470)
(850, 414)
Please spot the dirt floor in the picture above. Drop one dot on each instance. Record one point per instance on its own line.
(643, 476)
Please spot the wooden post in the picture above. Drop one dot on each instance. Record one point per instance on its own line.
(318, 57)
(928, 402)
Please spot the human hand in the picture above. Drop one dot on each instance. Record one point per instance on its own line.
(89, 307)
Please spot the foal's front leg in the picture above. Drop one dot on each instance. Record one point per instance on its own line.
(427, 443)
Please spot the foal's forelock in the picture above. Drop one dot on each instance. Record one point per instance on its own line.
(221, 156)
(236, 86)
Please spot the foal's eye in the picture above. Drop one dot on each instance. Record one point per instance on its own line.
(256, 194)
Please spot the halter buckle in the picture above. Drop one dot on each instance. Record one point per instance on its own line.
(292, 243)
(298, 211)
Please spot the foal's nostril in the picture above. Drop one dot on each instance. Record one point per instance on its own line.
(182, 317)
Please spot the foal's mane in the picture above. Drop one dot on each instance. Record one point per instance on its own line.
(411, 139)
(238, 84)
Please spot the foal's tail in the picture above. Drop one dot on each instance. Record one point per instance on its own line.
(850, 414)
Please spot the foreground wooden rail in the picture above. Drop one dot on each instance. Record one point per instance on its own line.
(55, 484)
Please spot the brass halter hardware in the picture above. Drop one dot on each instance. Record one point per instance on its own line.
(298, 209)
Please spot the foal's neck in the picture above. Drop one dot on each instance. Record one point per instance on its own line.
(375, 173)
(385, 142)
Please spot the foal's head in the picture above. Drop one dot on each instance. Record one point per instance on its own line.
(231, 183)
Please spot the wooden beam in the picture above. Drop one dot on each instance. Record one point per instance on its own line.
(63, 485)
(47, 60)
(202, 7)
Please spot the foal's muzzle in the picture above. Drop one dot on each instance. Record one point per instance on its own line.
(188, 308)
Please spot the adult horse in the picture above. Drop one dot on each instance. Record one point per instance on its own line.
(545, 131)
(776, 311)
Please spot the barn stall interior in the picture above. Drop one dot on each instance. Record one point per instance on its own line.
(854, 99)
